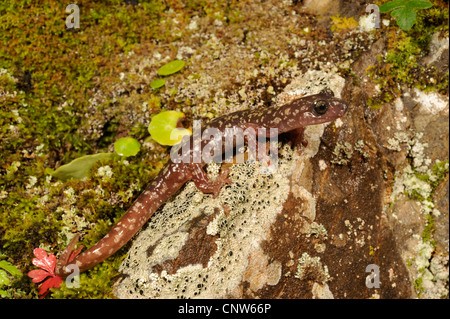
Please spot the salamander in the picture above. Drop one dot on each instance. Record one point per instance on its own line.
(291, 117)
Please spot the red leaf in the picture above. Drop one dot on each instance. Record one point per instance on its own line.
(40, 253)
(47, 263)
(38, 275)
(43, 261)
(53, 282)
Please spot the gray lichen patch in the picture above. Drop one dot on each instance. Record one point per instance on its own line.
(343, 152)
(239, 221)
(414, 211)
(312, 82)
(311, 267)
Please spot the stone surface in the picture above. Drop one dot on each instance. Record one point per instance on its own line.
(441, 231)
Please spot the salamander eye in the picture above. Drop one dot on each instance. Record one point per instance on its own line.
(320, 107)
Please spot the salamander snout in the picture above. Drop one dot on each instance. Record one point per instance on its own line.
(338, 107)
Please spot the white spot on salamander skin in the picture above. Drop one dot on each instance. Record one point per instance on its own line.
(291, 121)
(118, 236)
(163, 188)
(131, 223)
(147, 193)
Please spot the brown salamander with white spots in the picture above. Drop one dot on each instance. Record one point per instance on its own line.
(291, 117)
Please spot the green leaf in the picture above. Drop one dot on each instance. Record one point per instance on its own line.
(3, 294)
(419, 4)
(10, 268)
(79, 168)
(388, 6)
(156, 84)
(127, 146)
(395, 13)
(406, 18)
(163, 128)
(171, 67)
(4, 280)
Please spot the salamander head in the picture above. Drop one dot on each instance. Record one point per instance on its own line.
(308, 110)
(320, 108)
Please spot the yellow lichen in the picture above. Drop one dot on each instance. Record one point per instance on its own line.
(340, 24)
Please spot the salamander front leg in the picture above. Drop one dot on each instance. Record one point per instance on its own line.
(205, 184)
(260, 149)
(297, 138)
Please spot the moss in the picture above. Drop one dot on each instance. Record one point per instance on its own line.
(418, 286)
(434, 176)
(427, 235)
(402, 65)
(440, 171)
(93, 285)
(52, 112)
(349, 73)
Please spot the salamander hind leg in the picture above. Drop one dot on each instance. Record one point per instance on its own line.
(67, 255)
(205, 184)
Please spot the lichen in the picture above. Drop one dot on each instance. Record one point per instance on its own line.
(417, 182)
(340, 24)
(308, 265)
(344, 152)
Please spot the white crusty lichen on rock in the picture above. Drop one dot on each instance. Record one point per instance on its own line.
(307, 264)
(412, 207)
(239, 221)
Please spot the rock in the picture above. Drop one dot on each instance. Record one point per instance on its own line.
(322, 7)
(438, 54)
(441, 228)
(430, 116)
